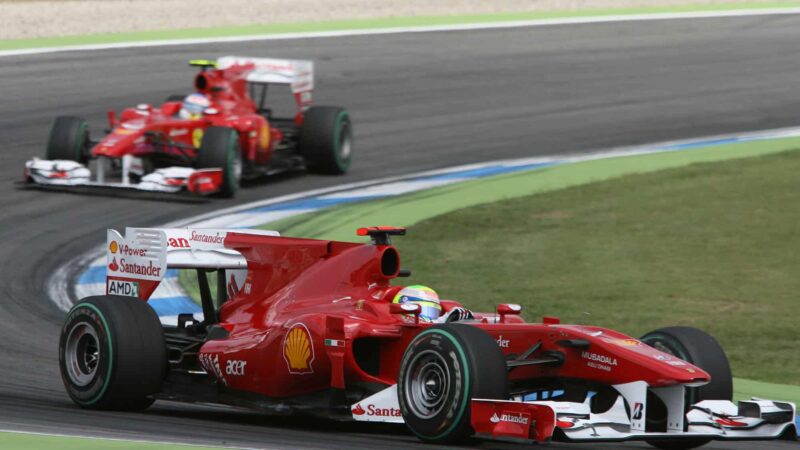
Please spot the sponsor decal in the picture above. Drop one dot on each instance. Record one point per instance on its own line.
(197, 137)
(178, 242)
(127, 288)
(627, 342)
(216, 238)
(178, 132)
(298, 350)
(235, 367)
(638, 411)
(519, 418)
(123, 131)
(676, 363)
(598, 361)
(375, 411)
(113, 247)
(264, 143)
(132, 268)
(360, 305)
(502, 343)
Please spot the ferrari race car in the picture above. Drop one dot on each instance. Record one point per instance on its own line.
(205, 142)
(309, 327)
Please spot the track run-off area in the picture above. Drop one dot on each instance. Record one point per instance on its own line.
(419, 102)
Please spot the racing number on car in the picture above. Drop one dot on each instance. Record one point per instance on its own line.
(197, 137)
(235, 367)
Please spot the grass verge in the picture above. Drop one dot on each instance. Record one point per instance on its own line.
(13, 440)
(709, 245)
(379, 23)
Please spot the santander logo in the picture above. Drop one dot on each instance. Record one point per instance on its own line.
(358, 410)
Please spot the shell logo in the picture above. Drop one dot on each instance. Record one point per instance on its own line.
(298, 350)
(113, 247)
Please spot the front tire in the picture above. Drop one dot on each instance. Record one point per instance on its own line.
(220, 148)
(326, 140)
(112, 353)
(442, 370)
(69, 140)
(702, 350)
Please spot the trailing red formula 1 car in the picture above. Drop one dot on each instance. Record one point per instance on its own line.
(310, 327)
(205, 142)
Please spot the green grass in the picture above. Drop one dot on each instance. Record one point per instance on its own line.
(43, 442)
(709, 245)
(283, 28)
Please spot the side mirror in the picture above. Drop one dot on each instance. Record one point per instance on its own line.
(406, 309)
(505, 309)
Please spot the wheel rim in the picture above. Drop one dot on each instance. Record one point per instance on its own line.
(428, 384)
(345, 146)
(82, 354)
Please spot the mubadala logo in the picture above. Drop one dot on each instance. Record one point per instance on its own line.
(602, 359)
(127, 288)
(512, 418)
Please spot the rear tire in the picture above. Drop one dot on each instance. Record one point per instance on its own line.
(442, 370)
(220, 148)
(702, 350)
(112, 353)
(69, 140)
(326, 140)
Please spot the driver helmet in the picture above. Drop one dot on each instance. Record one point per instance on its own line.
(426, 297)
(193, 106)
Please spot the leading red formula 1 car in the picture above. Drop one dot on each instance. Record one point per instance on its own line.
(205, 142)
(310, 328)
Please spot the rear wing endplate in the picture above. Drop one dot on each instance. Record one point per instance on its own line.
(137, 262)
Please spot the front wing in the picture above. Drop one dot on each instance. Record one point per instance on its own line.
(70, 174)
(542, 421)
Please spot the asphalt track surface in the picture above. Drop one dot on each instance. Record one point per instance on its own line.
(418, 101)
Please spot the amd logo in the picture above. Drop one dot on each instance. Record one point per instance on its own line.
(127, 288)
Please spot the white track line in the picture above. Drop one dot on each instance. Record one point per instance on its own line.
(413, 29)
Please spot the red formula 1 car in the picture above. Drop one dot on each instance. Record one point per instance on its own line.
(205, 142)
(311, 328)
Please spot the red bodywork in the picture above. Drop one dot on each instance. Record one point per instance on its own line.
(146, 130)
(301, 322)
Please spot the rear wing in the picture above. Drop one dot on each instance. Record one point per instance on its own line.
(298, 74)
(137, 262)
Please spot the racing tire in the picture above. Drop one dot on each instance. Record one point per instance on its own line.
(220, 148)
(326, 140)
(69, 140)
(443, 369)
(112, 354)
(702, 350)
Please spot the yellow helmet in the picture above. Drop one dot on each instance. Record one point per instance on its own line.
(424, 296)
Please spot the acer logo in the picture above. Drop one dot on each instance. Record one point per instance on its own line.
(178, 243)
(235, 367)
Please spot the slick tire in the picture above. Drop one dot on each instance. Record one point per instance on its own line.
(326, 140)
(702, 350)
(69, 140)
(112, 354)
(220, 148)
(442, 370)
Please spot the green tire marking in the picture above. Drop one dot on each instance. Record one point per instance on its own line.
(337, 142)
(110, 351)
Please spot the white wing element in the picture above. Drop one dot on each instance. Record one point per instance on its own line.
(299, 74)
